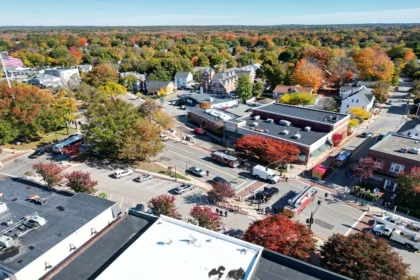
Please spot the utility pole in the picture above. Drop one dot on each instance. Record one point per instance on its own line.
(310, 221)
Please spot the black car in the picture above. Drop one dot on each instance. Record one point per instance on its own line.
(366, 135)
(267, 193)
(139, 207)
(380, 137)
(220, 180)
(37, 153)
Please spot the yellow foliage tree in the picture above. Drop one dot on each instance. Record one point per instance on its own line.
(204, 105)
(164, 119)
(162, 92)
(308, 74)
(353, 123)
(298, 98)
(359, 113)
(112, 89)
(374, 65)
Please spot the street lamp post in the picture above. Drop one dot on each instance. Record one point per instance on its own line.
(310, 221)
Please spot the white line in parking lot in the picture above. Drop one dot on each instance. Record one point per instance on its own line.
(122, 199)
(355, 223)
(154, 185)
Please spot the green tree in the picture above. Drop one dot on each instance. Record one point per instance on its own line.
(60, 52)
(410, 67)
(128, 81)
(244, 88)
(257, 89)
(107, 123)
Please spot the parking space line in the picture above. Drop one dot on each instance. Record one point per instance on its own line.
(154, 185)
(353, 227)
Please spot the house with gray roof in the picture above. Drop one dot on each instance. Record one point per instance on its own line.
(359, 96)
(183, 79)
(46, 81)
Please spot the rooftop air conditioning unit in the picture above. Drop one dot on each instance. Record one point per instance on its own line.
(296, 136)
(270, 120)
(266, 130)
(254, 124)
(285, 132)
(256, 117)
(415, 151)
(285, 123)
(307, 128)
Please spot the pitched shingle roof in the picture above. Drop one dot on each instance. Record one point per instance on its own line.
(182, 75)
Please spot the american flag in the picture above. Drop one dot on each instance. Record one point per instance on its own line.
(11, 61)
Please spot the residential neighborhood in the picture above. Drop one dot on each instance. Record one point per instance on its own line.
(210, 152)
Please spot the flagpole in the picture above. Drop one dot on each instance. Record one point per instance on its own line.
(5, 71)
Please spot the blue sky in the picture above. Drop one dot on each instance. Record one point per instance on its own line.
(210, 12)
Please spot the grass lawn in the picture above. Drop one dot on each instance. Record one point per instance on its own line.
(44, 139)
(150, 166)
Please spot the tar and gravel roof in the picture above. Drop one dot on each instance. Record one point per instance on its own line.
(392, 143)
(300, 113)
(64, 215)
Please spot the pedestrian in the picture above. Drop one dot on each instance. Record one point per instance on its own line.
(217, 210)
(226, 213)
(207, 172)
(287, 179)
(347, 173)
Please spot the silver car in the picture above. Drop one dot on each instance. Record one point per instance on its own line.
(143, 178)
(183, 188)
(197, 171)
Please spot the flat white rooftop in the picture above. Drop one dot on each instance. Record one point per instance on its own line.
(173, 249)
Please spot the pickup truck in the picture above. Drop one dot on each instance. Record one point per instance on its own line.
(408, 240)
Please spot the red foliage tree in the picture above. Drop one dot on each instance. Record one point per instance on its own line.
(337, 138)
(409, 189)
(360, 256)
(280, 234)
(365, 167)
(80, 181)
(206, 218)
(266, 149)
(221, 191)
(50, 173)
(164, 205)
(82, 41)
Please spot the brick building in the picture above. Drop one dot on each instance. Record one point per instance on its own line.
(309, 129)
(398, 153)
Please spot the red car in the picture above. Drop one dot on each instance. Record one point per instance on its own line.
(199, 131)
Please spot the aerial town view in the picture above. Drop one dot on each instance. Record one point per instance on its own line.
(228, 140)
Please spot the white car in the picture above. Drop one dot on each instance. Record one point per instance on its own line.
(123, 172)
(164, 137)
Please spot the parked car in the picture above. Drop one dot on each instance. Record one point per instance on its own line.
(388, 102)
(143, 178)
(37, 153)
(218, 179)
(381, 136)
(267, 193)
(408, 95)
(248, 110)
(123, 172)
(183, 188)
(366, 134)
(164, 137)
(197, 171)
(139, 207)
(199, 131)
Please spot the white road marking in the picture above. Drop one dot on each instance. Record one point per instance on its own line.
(237, 191)
(154, 185)
(355, 223)
(10, 175)
(122, 199)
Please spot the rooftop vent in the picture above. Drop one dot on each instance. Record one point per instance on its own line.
(256, 117)
(266, 130)
(296, 136)
(269, 120)
(285, 123)
(254, 124)
(307, 128)
(415, 151)
(285, 132)
(6, 241)
(3, 207)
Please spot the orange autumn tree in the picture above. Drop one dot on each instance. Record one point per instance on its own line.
(374, 65)
(308, 74)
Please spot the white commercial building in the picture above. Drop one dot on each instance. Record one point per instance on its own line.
(40, 227)
(68, 76)
(173, 249)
